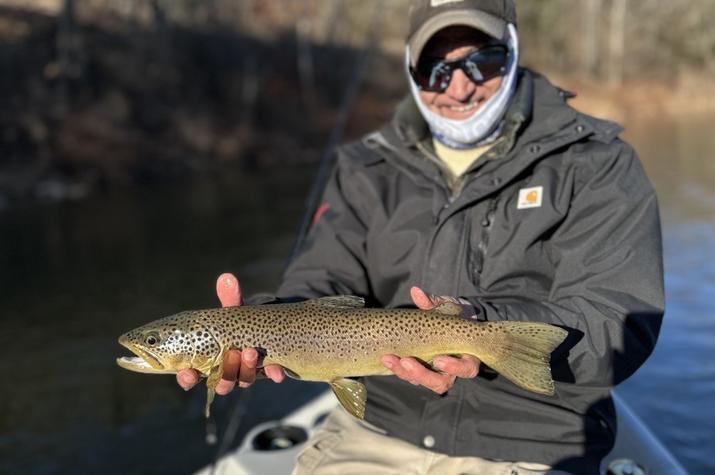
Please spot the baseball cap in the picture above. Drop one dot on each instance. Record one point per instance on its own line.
(427, 17)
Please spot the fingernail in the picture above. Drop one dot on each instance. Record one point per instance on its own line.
(438, 364)
(389, 364)
(407, 364)
(224, 387)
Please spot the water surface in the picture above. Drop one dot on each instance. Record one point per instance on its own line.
(674, 392)
(76, 275)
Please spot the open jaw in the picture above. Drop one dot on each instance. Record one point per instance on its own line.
(145, 362)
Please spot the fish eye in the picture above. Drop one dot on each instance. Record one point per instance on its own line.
(152, 339)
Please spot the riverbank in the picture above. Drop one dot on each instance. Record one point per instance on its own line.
(690, 94)
(128, 104)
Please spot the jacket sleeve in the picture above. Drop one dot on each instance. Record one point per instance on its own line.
(608, 283)
(332, 259)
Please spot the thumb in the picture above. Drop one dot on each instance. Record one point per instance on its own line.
(422, 300)
(228, 290)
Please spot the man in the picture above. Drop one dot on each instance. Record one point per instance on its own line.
(488, 189)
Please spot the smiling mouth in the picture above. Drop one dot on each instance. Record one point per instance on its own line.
(464, 108)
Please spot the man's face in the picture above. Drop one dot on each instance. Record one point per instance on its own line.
(463, 97)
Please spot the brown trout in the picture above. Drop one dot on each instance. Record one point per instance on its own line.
(335, 339)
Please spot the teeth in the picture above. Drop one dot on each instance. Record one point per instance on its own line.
(467, 108)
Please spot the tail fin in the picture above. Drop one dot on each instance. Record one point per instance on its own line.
(521, 352)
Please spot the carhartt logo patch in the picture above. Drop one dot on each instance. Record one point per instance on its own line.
(530, 197)
(436, 3)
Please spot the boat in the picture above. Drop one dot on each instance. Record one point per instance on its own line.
(272, 447)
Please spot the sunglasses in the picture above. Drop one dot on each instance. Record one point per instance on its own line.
(434, 75)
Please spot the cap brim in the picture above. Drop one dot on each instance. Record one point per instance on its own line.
(491, 25)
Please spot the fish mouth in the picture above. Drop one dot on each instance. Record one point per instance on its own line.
(144, 362)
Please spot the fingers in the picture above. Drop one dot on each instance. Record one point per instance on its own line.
(187, 378)
(275, 373)
(228, 290)
(231, 367)
(421, 299)
(392, 363)
(409, 369)
(425, 301)
(237, 367)
(247, 373)
(466, 366)
(412, 371)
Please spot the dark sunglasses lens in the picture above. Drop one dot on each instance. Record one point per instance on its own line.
(486, 63)
(432, 75)
(435, 75)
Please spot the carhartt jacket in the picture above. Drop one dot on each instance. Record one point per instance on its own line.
(556, 223)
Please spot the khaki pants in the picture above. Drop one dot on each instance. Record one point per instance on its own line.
(347, 446)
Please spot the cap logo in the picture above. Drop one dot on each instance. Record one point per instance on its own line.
(530, 197)
(437, 3)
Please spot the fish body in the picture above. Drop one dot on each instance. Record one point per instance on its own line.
(333, 339)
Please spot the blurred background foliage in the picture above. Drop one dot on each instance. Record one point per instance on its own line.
(100, 92)
(589, 36)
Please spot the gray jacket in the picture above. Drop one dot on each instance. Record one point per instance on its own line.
(584, 254)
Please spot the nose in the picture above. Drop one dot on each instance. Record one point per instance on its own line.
(460, 87)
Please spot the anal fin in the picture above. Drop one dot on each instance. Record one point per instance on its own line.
(351, 394)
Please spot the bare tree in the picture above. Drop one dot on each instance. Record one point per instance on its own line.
(616, 44)
(590, 52)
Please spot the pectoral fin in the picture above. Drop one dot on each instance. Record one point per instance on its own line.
(211, 382)
(351, 394)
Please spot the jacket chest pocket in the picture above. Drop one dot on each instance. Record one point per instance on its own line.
(510, 247)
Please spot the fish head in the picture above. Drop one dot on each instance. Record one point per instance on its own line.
(169, 345)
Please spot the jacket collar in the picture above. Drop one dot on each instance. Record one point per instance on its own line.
(538, 111)
(538, 121)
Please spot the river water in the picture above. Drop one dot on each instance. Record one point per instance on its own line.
(674, 392)
(74, 276)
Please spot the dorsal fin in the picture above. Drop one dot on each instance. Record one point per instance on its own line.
(449, 308)
(338, 301)
(351, 394)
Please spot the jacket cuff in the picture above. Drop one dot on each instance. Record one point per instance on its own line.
(480, 311)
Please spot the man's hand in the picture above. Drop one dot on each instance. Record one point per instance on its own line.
(237, 365)
(450, 368)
